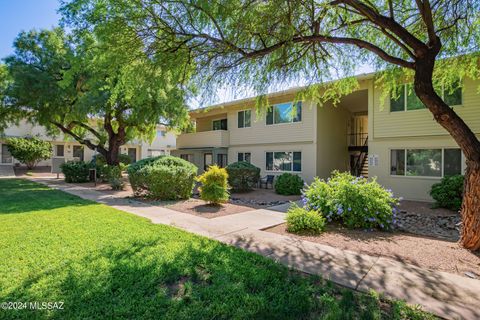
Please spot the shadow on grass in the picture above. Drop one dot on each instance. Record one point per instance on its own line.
(22, 196)
(200, 279)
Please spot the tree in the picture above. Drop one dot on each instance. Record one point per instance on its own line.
(260, 42)
(30, 150)
(86, 87)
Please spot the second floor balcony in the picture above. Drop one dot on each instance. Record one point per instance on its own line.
(204, 139)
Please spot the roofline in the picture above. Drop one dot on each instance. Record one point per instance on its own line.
(363, 76)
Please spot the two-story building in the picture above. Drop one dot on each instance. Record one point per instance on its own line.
(68, 148)
(398, 142)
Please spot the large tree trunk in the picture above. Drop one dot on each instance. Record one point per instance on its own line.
(466, 140)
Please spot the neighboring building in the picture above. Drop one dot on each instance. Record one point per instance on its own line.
(69, 149)
(399, 143)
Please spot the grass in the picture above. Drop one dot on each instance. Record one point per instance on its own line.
(105, 263)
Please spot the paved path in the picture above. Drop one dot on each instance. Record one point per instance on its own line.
(6, 171)
(447, 295)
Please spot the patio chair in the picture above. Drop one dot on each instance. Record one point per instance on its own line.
(267, 180)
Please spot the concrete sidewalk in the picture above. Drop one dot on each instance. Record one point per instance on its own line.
(447, 295)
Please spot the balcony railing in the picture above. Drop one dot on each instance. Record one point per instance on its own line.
(204, 139)
(358, 139)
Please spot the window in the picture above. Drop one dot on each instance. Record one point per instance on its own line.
(284, 113)
(78, 152)
(244, 156)
(60, 150)
(284, 161)
(161, 133)
(219, 124)
(244, 118)
(426, 162)
(222, 160)
(187, 157)
(408, 100)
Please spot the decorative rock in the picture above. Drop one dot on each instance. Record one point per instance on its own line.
(440, 226)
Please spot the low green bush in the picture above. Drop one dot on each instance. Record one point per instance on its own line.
(354, 201)
(242, 176)
(163, 178)
(288, 184)
(300, 220)
(75, 171)
(114, 177)
(214, 185)
(30, 150)
(124, 158)
(448, 192)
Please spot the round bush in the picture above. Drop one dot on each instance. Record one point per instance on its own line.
(214, 186)
(242, 176)
(75, 171)
(300, 220)
(353, 201)
(288, 184)
(163, 178)
(448, 192)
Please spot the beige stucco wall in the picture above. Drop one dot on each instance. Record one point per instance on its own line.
(414, 129)
(258, 157)
(332, 147)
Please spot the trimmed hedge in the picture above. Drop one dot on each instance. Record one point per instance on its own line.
(242, 176)
(288, 184)
(448, 193)
(75, 171)
(300, 220)
(214, 186)
(163, 178)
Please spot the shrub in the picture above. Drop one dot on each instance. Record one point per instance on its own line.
(242, 176)
(214, 185)
(124, 158)
(288, 184)
(114, 177)
(29, 151)
(355, 202)
(448, 192)
(163, 177)
(302, 220)
(103, 168)
(75, 171)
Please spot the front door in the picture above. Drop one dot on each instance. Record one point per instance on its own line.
(207, 160)
(132, 153)
(6, 155)
(78, 152)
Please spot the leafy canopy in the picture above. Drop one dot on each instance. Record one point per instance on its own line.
(259, 44)
(29, 151)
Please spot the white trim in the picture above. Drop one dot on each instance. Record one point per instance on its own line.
(251, 120)
(283, 123)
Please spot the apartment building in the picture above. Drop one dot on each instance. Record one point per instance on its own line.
(67, 148)
(398, 141)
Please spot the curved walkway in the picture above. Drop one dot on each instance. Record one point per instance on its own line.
(447, 295)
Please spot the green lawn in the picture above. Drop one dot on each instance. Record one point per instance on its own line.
(105, 263)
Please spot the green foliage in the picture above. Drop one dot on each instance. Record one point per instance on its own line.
(448, 193)
(300, 220)
(214, 185)
(163, 178)
(242, 176)
(29, 151)
(75, 171)
(288, 184)
(92, 256)
(355, 202)
(124, 158)
(126, 90)
(114, 177)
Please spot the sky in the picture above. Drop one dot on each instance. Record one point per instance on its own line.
(24, 15)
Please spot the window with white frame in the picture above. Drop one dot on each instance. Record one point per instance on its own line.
(244, 156)
(408, 100)
(244, 118)
(426, 162)
(283, 161)
(284, 113)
